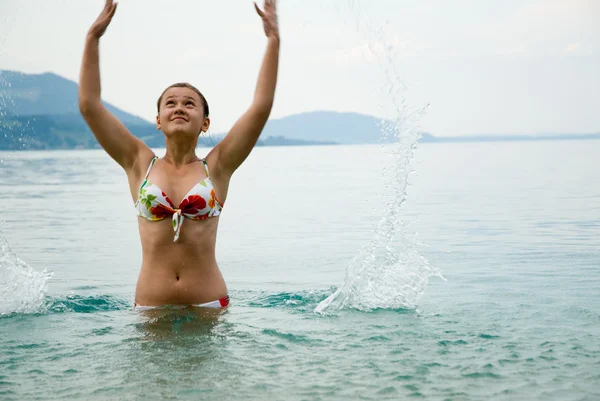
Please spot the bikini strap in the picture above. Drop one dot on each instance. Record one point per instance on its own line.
(206, 167)
(150, 167)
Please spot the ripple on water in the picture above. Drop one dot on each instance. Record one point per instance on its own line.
(447, 343)
(488, 336)
(293, 338)
(482, 375)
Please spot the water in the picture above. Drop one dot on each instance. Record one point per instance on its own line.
(512, 226)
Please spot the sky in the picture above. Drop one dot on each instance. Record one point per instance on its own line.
(482, 67)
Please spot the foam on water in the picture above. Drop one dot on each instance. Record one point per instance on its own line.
(22, 289)
(389, 272)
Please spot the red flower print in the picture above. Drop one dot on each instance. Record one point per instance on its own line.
(193, 204)
(168, 200)
(160, 211)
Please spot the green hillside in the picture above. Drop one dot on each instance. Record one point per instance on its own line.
(47, 94)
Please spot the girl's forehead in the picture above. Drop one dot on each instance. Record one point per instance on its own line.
(181, 92)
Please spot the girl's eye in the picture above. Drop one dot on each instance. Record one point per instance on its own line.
(188, 103)
(169, 102)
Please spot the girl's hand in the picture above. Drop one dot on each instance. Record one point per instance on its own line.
(99, 26)
(269, 17)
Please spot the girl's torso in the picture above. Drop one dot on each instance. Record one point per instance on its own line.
(179, 211)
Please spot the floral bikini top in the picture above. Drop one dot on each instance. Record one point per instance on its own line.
(200, 203)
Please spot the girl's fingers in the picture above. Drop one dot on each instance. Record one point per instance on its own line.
(259, 11)
(113, 10)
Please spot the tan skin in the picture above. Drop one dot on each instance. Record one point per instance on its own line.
(183, 272)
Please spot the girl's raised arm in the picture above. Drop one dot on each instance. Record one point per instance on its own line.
(112, 135)
(237, 145)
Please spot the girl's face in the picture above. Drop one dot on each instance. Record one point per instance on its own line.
(181, 112)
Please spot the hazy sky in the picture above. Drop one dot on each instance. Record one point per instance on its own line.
(493, 66)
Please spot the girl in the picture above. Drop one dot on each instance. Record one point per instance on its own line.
(180, 196)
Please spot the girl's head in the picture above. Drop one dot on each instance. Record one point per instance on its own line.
(182, 108)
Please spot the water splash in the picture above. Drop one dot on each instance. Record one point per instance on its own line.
(12, 131)
(22, 289)
(4, 103)
(389, 272)
(4, 85)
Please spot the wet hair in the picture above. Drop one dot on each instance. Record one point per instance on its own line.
(189, 86)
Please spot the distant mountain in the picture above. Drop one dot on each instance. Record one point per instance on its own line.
(40, 111)
(47, 94)
(344, 128)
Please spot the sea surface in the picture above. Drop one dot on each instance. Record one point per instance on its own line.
(513, 228)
